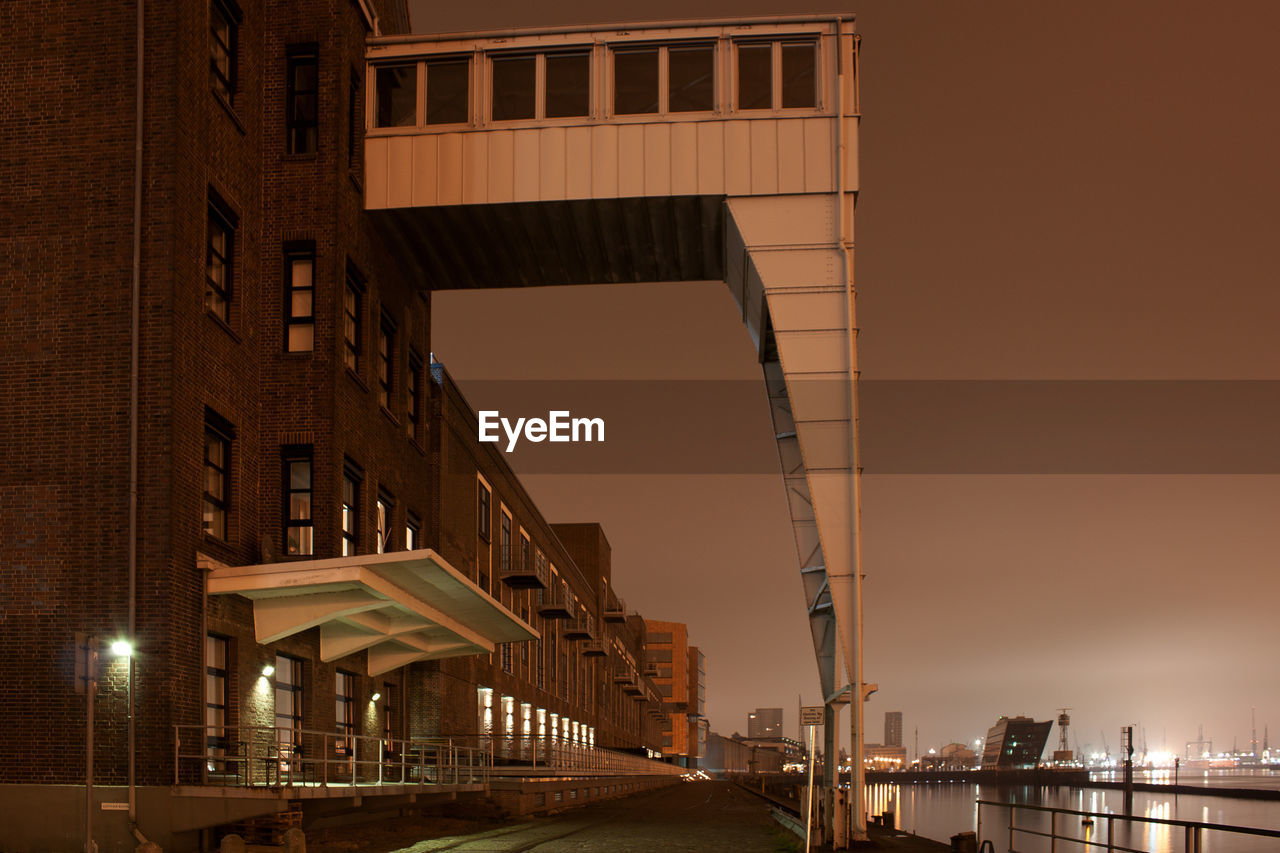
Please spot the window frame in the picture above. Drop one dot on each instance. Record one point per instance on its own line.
(539, 57)
(220, 216)
(355, 119)
(295, 253)
(385, 508)
(412, 531)
(345, 710)
(295, 56)
(296, 691)
(217, 680)
(290, 455)
(350, 542)
(386, 362)
(484, 509)
(416, 382)
(225, 85)
(664, 78)
(353, 316)
(776, 44)
(219, 430)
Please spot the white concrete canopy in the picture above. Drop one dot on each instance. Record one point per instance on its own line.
(400, 607)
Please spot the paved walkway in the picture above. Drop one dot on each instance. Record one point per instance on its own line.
(706, 817)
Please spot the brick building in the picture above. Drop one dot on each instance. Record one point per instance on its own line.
(679, 671)
(277, 502)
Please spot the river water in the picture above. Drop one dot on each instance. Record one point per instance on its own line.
(940, 810)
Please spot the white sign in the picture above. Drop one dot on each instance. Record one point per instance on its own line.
(811, 715)
(115, 807)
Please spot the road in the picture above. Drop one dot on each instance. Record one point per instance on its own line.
(707, 817)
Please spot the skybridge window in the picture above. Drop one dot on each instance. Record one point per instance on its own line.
(635, 81)
(541, 85)
(448, 90)
(690, 78)
(676, 78)
(515, 92)
(397, 93)
(568, 85)
(777, 75)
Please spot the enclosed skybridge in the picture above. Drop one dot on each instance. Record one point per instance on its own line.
(704, 150)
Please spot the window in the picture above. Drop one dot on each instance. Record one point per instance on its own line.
(412, 532)
(297, 489)
(568, 84)
(690, 78)
(345, 711)
(217, 475)
(515, 93)
(483, 510)
(448, 90)
(414, 419)
(302, 99)
(386, 512)
(224, 20)
(504, 541)
(215, 700)
(386, 361)
(299, 283)
(388, 715)
(777, 75)
(396, 89)
(350, 510)
(288, 677)
(635, 81)
(352, 316)
(355, 120)
(220, 256)
(506, 657)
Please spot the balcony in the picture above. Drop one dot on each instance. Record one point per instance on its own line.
(615, 609)
(582, 628)
(520, 569)
(554, 603)
(593, 649)
(624, 675)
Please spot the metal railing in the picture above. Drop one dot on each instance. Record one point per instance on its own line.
(519, 567)
(517, 754)
(280, 757)
(1192, 831)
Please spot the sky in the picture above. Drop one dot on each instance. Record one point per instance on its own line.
(1078, 191)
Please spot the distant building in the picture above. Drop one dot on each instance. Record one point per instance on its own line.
(737, 754)
(884, 756)
(893, 728)
(679, 672)
(958, 756)
(764, 723)
(1015, 742)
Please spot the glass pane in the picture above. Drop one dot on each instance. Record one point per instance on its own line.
(304, 75)
(755, 77)
(690, 71)
(304, 108)
(300, 271)
(513, 87)
(635, 81)
(397, 93)
(300, 506)
(300, 476)
(302, 338)
(799, 77)
(304, 541)
(300, 303)
(447, 91)
(568, 84)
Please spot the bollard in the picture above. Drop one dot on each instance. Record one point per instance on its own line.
(231, 844)
(295, 840)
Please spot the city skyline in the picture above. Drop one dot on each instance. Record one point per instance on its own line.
(1062, 222)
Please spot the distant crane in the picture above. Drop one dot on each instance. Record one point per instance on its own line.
(1199, 744)
(1106, 748)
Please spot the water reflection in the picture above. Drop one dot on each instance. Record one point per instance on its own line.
(940, 810)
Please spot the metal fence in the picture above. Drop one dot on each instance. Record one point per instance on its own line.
(1071, 830)
(514, 754)
(266, 756)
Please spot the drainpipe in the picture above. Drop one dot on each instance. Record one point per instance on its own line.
(135, 311)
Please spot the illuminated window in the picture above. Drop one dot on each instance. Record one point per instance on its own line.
(297, 483)
(345, 711)
(351, 480)
(288, 695)
(215, 699)
(300, 321)
(386, 510)
(396, 89)
(302, 99)
(412, 532)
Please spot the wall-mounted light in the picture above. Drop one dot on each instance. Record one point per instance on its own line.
(375, 697)
(268, 670)
(122, 648)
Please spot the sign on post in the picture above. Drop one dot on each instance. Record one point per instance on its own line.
(811, 715)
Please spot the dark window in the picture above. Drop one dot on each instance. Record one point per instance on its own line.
(352, 317)
(514, 87)
(506, 657)
(447, 91)
(755, 76)
(302, 104)
(386, 361)
(217, 476)
(504, 543)
(224, 22)
(350, 510)
(288, 677)
(220, 257)
(345, 711)
(355, 120)
(386, 516)
(635, 81)
(412, 532)
(396, 87)
(415, 395)
(484, 504)
(215, 700)
(799, 75)
(298, 529)
(568, 84)
(300, 321)
(691, 78)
